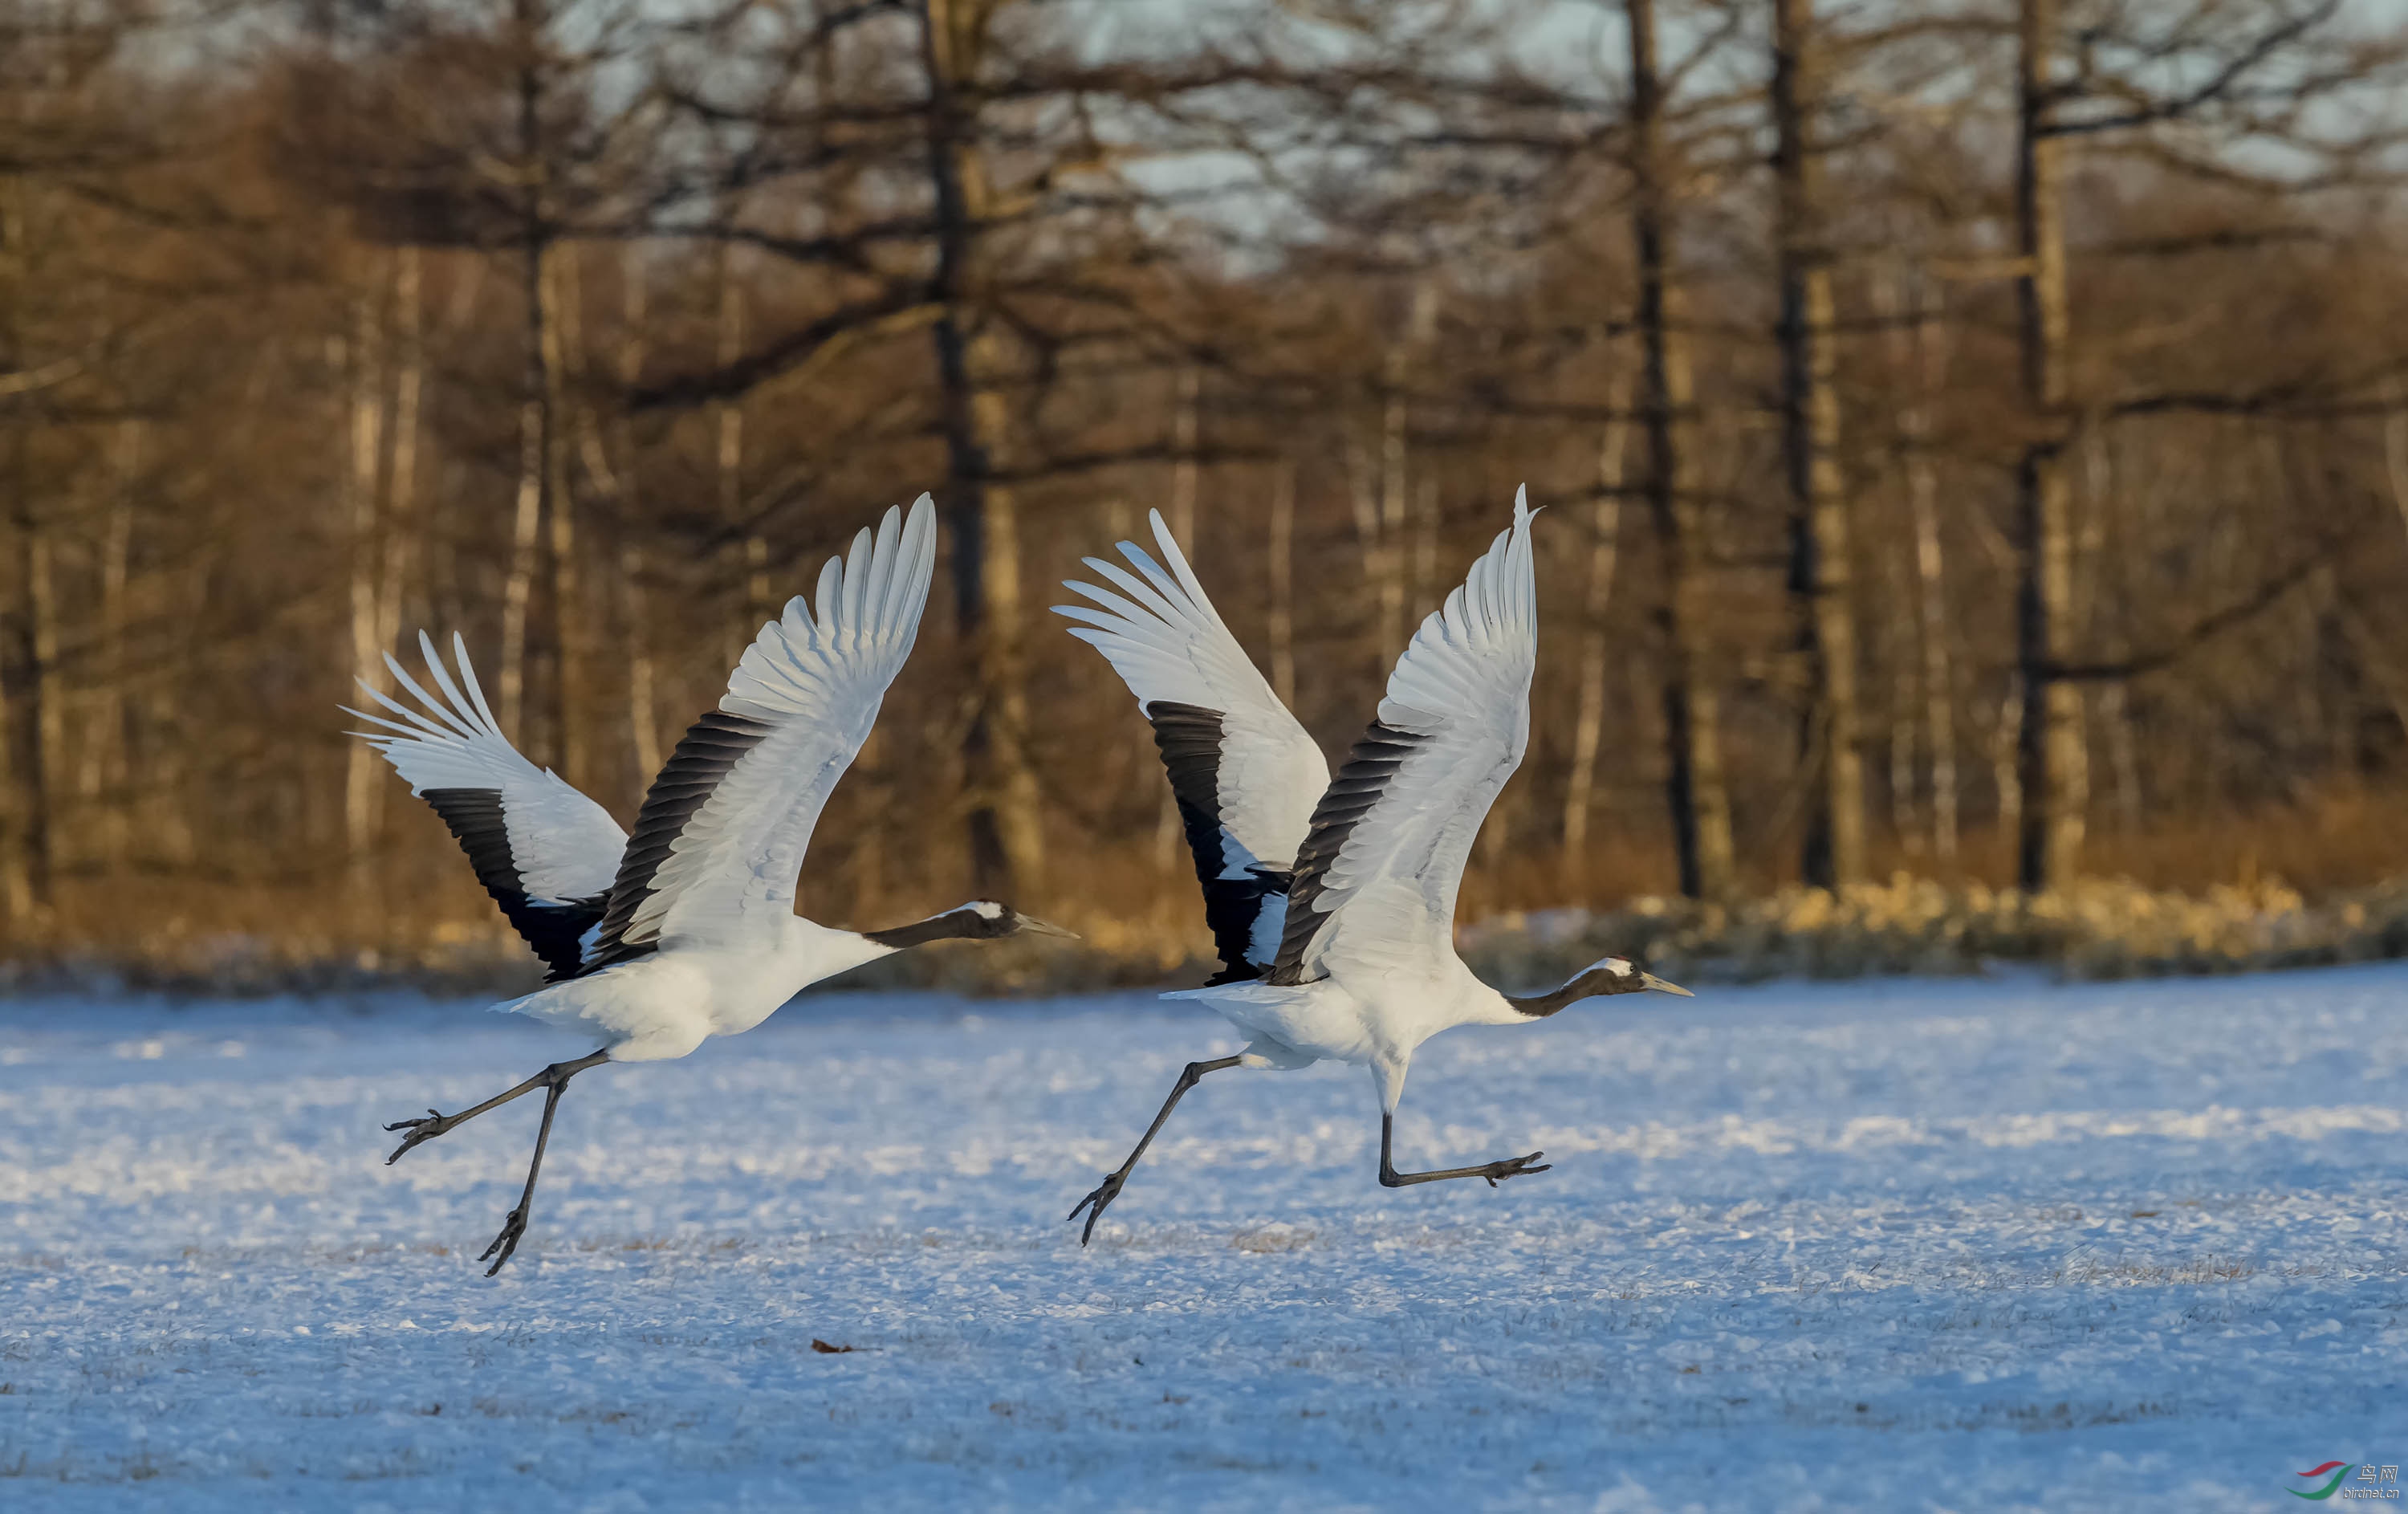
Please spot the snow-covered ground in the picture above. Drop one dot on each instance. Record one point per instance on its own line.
(1899, 1245)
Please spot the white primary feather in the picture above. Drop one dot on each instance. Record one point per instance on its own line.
(564, 845)
(816, 682)
(1162, 635)
(1462, 692)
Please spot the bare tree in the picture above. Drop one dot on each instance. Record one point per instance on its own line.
(1605, 541)
(1693, 790)
(1834, 848)
(1006, 829)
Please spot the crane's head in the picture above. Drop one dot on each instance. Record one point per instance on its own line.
(984, 920)
(1619, 975)
(980, 919)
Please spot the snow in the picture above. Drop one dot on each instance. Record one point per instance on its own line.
(1901, 1245)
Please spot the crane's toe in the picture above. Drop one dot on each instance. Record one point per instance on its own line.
(505, 1243)
(1094, 1204)
(434, 1124)
(1516, 1167)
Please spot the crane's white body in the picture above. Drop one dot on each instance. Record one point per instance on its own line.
(1374, 1021)
(661, 1006)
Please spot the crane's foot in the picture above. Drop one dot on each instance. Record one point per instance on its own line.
(1095, 1204)
(1497, 1171)
(434, 1124)
(507, 1242)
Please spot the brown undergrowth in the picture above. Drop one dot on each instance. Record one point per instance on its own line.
(1528, 918)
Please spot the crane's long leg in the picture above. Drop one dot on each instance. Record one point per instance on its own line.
(1110, 1189)
(555, 1076)
(1493, 1171)
(515, 1225)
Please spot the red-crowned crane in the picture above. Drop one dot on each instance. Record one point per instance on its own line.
(1333, 902)
(686, 930)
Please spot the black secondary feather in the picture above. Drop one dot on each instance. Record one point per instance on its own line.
(1369, 768)
(1189, 738)
(711, 748)
(476, 821)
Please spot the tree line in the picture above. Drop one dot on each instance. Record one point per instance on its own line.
(1975, 434)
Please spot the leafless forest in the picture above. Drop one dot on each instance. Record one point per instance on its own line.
(1976, 432)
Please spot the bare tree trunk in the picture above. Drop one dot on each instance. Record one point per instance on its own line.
(1282, 577)
(1382, 566)
(2006, 771)
(1927, 366)
(1005, 822)
(165, 814)
(1898, 641)
(401, 489)
(35, 865)
(2052, 757)
(1694, 792)
(1605, 539)
(16, 879)
(2395, 467)
(1396, 461)
(644, 720)
(1397, 476)
(23, 805)
(49, 713)
(1830, 727)
(103, 780)
(1423, 581)
(728, 418)
(2395, 446)
(1185, 425)
(363, 477)
(2103, 547)
(562, 352)
(535, 411)
(2388, 679)
(438, 549)
(525, 517)
(610, 468)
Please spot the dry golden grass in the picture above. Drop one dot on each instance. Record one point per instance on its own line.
(2098, 928)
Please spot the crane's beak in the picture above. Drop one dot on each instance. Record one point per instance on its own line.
(1652, 981)
(1037, 927)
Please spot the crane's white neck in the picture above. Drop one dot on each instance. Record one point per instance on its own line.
(826, 952)
(819, 951)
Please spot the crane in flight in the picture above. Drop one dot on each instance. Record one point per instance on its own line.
(687, 929)
(1331, 901)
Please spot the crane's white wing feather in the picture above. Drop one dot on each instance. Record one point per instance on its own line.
(1244, 773)
(720, 842)
(1376, 880)
(564, 845)
(546, 853)
(1162, 635)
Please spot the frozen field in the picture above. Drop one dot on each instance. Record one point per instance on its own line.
(1902, 1244)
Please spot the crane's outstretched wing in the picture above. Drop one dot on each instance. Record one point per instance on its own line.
(1245, 774)
(544, 851)
(1376, 880)
(720, 841)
